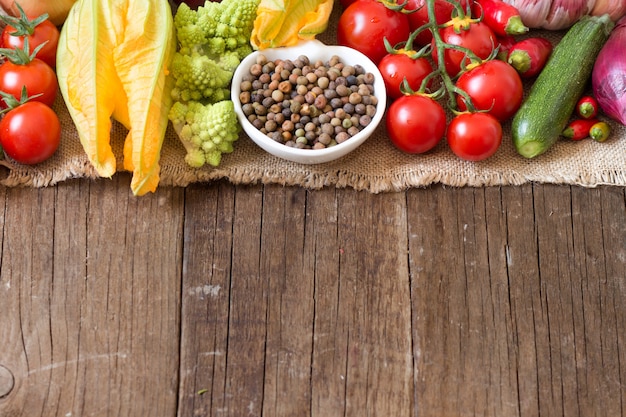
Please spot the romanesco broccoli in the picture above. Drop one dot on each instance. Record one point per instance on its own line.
(212, 41)
(206, 130)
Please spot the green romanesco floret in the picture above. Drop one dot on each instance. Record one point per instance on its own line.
(216, 27)
(200, 78)
(206, 130)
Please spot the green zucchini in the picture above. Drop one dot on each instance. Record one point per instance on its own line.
(551, 100)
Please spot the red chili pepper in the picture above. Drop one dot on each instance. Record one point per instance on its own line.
(587, 107)
(503, 18)
(504, 44)
(530, 55)
(578, 129)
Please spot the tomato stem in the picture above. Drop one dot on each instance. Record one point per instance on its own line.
(441, 47)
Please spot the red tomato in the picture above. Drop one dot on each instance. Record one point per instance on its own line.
(494, 86)
(419, 16)
(396, 67)
(37, 76)
(364, 25)
(415, 123)
(30, 133)
(478, 38)
(474, 136)
(42, 32)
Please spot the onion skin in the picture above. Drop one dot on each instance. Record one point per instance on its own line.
(57, 9)
(562, 14)
(608, 78)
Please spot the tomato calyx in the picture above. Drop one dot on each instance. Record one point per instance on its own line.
(21, 56)
(11, 102)
(392, 5)
(23, 25)
(406, 48)
(461, 23)
(423, 90)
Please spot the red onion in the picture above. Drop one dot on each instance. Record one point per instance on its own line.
(608, 78)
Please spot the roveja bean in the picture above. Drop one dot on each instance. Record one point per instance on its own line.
(308, 105)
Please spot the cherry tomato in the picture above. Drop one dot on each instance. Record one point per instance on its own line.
(36, 75)
(418, 16)
(396, 67)
(494, 86)
(30, 133)
(43, 32)
(415, 123)
(477, 37)
(366, 23)
(474, 136)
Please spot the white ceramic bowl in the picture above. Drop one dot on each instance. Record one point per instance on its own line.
(315, 50)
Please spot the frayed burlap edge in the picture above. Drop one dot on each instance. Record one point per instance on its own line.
(375, 167)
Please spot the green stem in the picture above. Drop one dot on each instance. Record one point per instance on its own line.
(450, 88)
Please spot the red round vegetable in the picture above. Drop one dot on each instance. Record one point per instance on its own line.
(474, 136)
(417, 12)
(30, 133)
(38, 77)
(415, 123)
(493, 86)
(395, 68)
(476, 36)
(366, 23)
(38, 31)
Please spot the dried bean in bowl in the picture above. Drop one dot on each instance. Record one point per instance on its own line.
(320, 104)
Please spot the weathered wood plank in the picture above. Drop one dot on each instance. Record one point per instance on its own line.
(92, 279)
(362, 361)
(207, 260)
(26, 279)
(523, 320)
(458, 279)
(307, 284)
(288, 263)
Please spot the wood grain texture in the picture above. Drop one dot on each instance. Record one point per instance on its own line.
(260, 300)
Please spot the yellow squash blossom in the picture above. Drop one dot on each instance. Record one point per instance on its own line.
(286, 22)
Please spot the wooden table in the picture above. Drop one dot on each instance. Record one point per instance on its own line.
(223, 300)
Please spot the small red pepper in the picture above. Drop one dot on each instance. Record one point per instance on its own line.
(578, 129)
(600, 131)
(504, 44)
(530, 55)
(502, 18)
(587, 107)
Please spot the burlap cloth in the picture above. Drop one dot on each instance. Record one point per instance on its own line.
(376, 166)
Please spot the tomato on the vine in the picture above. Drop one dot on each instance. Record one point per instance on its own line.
(477, 37)
(415, 123)
(38, 31)
(37, 76)
(366, 23)
(474, 136)
(30, 133)
(396, 67)
(418, 16)
(493, 86)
